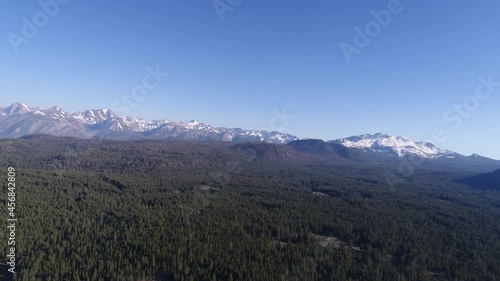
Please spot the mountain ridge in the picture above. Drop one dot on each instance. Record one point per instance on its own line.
(18, 120)
(395, 145)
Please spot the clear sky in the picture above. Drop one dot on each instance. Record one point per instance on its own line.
(416, 68)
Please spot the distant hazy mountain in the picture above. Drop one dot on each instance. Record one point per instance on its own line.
(20, 120)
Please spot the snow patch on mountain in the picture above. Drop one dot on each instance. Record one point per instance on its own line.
(395, 145)
(18, 120)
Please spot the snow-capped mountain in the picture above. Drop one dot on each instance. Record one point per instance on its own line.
(15, 108)
(19, 120)
(394, 145)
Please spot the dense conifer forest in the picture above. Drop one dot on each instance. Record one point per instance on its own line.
(158, 210)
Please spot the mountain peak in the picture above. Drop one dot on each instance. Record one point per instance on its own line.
(105, 123)
(18, 104)
(16, 108)
(394, 145)
(192, 123)
(55, 109)
(375, 135)
(18, 120)
(477, 156)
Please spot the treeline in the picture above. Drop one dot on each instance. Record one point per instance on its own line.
(243, 220)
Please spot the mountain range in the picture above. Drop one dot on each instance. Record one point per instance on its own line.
(18, 120)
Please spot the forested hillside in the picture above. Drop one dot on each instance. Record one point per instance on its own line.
(160, 210)
(488, 181)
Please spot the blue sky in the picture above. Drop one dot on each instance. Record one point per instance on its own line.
(267, 55)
